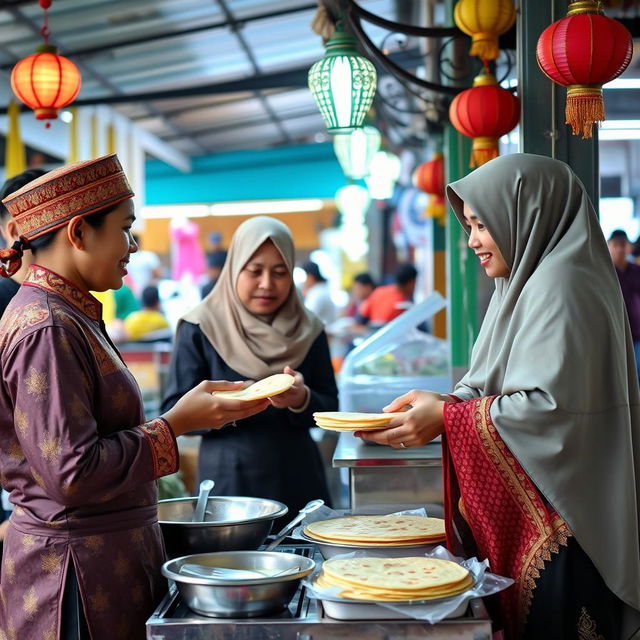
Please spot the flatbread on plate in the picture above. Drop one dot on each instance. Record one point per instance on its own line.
(379, 529)
(394, 579)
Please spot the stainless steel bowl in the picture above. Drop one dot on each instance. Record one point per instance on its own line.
(231, 523)
(242, 598)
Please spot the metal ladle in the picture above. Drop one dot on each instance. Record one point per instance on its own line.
(206, 486)
(308, 508)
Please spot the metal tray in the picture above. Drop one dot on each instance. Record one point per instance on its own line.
(342, 609)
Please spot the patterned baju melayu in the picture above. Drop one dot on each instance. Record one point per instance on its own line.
(80, 463)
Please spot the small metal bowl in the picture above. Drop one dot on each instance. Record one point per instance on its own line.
(241, 598)
(231, 523)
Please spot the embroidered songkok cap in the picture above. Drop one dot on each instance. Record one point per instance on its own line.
(79, 189)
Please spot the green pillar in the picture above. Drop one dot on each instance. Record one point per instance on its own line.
(542, 125)
(462, 266)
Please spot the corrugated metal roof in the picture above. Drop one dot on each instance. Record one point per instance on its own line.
(151, 46)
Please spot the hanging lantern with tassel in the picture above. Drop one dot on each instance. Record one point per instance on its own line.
(583, 51)
(484, 21)
(429, 177)
(485, 112)
(45, 81)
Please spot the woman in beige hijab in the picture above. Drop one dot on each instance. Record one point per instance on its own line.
(542, 436)
(253, 324)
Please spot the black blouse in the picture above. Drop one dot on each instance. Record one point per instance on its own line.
(271, 454)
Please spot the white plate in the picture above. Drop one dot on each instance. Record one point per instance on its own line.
(330, 549)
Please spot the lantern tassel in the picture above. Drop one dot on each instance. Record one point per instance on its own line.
(485, 46)
(436, 207)
(483, 150)
(584, 108)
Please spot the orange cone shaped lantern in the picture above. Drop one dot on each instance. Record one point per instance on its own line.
(485, 113)
(583, 51)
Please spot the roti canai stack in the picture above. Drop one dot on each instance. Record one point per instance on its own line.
(394, 579)
(376, 531)
(265, 388)
(353, 421)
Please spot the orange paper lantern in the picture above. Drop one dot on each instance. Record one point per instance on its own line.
(429, 177)
(583, 51)
(46, 81)
(485, 112)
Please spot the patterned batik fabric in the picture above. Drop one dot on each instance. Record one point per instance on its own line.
(80, 463)
(489, 496)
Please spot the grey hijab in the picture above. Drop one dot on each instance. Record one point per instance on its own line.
(556, 349)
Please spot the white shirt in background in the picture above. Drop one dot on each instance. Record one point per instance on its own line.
(318, 300)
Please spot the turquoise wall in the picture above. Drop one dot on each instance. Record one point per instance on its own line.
(304, 171)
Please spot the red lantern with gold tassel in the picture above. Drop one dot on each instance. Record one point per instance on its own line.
(583, 51)
(485, 113)
(429, 177)
(45, 81)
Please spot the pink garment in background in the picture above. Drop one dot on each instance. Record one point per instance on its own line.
(187, 253)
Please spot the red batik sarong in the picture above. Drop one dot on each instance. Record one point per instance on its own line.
(493, 509)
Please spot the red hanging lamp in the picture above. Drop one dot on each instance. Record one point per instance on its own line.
(429, 177)
(485, 113)
(45, 81)
(583, 51)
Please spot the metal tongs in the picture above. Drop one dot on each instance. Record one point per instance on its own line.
(228, 573)
(308, 508)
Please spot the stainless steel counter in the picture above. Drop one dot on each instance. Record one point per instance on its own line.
(386, 479)
(305, 619)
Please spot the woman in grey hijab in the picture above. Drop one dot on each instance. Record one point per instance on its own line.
(541, 438)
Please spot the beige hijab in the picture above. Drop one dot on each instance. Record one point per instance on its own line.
(253, 346)
(556, 349)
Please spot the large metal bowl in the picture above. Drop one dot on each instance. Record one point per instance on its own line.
(231, 523)
(241, 598)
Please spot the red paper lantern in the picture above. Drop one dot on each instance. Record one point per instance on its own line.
(429, 176)
(583, 51)
(45, 81)
(485, 113)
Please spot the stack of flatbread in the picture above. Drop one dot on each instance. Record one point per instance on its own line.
(394, 579)
(353, 421)
(265, 388)
(376, 531)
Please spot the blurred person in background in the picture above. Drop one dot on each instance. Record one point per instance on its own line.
(629, 277)
(9, 286)
(362, 287)
(149, 322)
(10, 234)
(316, 293)
(144, 267)
(387, 302)
(215, 262)
(253, 325)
